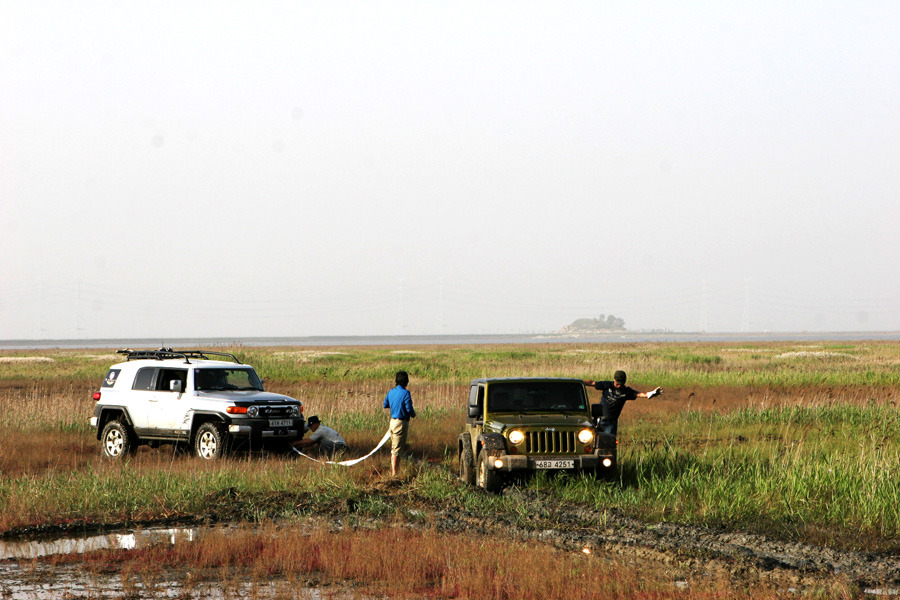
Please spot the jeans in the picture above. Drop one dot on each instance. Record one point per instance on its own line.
(610, 427)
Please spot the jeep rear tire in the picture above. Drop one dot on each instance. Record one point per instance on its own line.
(118, 440)
(488, 478)
(466, 460)
(212, 441)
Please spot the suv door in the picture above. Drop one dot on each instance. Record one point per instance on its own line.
(142, 392)
(167, 408)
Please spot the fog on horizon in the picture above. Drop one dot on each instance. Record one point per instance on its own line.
(368, 168)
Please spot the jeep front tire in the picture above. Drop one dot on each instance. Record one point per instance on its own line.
(212, 441)
(488, 478)
(118, 440)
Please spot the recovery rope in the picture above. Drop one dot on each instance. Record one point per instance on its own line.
(349, 463)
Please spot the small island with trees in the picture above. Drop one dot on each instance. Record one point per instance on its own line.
(601, 324)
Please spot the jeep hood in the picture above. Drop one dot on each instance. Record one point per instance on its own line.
(511, 420)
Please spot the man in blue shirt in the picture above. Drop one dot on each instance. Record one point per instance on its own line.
(399, 400)
(615, 395)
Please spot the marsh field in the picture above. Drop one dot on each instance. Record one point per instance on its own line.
(764, 470)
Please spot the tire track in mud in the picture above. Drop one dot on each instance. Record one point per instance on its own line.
(686, 549)
(698, 550)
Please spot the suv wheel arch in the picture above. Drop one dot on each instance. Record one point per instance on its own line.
(110, 413)
(492, 442)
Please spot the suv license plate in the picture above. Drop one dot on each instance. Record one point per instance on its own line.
(554, 464)
(279, 422)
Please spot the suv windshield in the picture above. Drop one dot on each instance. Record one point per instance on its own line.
(536, 396)
(226, 379)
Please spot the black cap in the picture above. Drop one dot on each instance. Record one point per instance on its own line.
(619, 377)
(312, 420)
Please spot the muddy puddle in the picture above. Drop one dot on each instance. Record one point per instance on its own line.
(128, 540)
(22, 577)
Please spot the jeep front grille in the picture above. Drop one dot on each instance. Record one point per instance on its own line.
(550, 442)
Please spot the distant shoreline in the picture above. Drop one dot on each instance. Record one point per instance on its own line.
(461, 340)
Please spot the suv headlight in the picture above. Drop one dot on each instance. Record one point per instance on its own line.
(295, 411)
(516, 437)
(585, 436)
(253, 411)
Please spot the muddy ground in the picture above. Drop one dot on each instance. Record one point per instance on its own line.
(690, 552)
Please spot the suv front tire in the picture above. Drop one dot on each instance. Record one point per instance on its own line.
(212, 441)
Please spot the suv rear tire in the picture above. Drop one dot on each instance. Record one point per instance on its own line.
(118, 440)
(212, 441)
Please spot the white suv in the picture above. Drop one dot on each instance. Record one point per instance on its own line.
(186, 397)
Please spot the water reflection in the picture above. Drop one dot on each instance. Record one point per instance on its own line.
(116, 541)
(67, 582)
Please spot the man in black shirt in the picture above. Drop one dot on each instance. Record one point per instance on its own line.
(615, 395)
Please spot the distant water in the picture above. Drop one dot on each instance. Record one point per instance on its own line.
(407, 340)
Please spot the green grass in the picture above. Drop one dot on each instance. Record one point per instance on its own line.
(821, 465)
(672, 365)
(827, 473)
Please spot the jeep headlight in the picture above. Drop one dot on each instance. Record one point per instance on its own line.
(253, 411)
(585, 436)
(516, 437)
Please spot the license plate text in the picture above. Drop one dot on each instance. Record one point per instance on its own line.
(554, 464)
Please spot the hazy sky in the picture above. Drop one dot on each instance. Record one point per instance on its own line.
(180, 169)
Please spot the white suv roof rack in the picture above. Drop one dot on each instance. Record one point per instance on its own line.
(168, 353)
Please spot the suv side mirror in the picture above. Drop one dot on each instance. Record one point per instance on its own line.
(474, 411)
(175, 386)
(596, 410)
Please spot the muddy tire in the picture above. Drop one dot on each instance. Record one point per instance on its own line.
(212, 441)
(466, 460)
(118, 440)
(488, 478)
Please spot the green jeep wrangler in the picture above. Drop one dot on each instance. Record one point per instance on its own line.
(519, 425)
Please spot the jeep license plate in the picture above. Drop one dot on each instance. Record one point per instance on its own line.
(279, 422)
(554, 464)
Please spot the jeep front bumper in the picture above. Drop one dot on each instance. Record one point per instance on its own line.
(517, 462)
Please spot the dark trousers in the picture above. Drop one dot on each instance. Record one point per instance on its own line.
(610, 427)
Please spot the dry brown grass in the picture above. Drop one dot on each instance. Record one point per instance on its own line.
(45, 422)
(409, 564)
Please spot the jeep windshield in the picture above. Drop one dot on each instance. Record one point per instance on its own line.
(536, 396)
(216, 380)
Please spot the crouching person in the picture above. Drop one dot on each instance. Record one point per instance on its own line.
(328, 442)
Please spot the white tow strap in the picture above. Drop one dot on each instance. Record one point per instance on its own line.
(349, 463)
